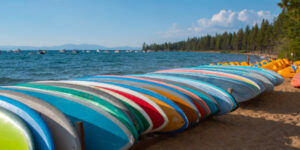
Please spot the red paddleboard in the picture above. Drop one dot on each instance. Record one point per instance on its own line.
(154, 115)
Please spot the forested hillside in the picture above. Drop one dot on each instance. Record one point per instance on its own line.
(282, 36)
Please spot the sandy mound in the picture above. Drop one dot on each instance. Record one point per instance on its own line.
(270, 121)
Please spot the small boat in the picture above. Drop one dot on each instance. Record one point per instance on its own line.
(117, 51)
(75, 51)
(17, 51)
(42, 52)
(62, 51)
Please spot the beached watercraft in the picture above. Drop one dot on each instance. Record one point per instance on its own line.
(90, 98)
(177, 121)
(144, 119)
(101, 129)
(296, 80)
(198, 102)
(158, 117)
(254, 75)
(63, 133)
(14, 132)
(102, 97)
(223, 74)
(226, 102)
(39, 129)
(241, 91)
(288, 72)
(181, 100)
(192, 91)
(274, 77)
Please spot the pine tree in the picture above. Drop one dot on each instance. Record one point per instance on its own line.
(234, 41)
(239, 39)
(291, 8)
(245, 42)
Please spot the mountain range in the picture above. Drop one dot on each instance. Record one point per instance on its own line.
(68, 47)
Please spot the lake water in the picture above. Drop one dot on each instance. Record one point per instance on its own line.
(25, 67)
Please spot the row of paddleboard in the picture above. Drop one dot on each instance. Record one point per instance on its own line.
(113, 111)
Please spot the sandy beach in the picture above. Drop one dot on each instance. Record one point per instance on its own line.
(270, 121)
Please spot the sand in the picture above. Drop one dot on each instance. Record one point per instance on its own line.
(268, 122)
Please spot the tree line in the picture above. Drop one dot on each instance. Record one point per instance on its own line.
(282, 36)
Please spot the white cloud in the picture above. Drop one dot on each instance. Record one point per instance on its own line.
(252, 17)
(224, 17)
(225, 20)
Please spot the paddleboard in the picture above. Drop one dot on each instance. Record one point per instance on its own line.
(185, 104)
(15, 135)
(101, 129)
(63, 133)
(90, 98)
(39, 129)
(157, 115)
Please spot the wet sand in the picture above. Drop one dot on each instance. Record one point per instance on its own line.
(268, 122)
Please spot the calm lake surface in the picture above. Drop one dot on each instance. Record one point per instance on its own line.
(29, 66)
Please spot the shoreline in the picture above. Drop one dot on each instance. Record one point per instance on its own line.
(248, 53)
(269, 121)
(230, 52)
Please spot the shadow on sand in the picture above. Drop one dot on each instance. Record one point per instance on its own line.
(235, 131)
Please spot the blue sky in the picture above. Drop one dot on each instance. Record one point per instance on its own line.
(124, 22)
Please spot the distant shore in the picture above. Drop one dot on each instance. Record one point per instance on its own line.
(248, 53)
(269, 121)
(273, 55)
